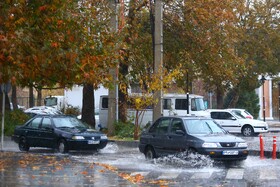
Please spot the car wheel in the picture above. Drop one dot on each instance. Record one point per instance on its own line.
(150, 153)
(23, 145)
(62, 146)
(247, 131)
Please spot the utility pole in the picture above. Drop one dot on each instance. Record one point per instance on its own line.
(263, 79)
(113, 93)
(157, 111)
(279, 100)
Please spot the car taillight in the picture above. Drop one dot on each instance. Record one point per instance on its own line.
(249, 117)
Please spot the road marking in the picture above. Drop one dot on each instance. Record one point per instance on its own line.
(235, 173)
(268, 174)
(172, 175)
(203, 175)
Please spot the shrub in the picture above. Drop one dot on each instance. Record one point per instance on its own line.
(124, 130)
(70, 110)
(12, 119)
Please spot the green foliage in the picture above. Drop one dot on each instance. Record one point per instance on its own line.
(124, 130)
(13, 119)
(248, 100)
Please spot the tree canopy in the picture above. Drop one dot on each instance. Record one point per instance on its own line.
(225, 43)
(57, 42)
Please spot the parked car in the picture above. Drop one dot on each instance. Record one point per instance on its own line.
(173, 134)
(60, 132)
(234, 123)
(242, 112)
(41, 110)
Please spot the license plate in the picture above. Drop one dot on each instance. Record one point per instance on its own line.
(230, 152)
(93, 142)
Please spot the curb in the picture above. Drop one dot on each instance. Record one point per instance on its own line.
(130, 144)
(267, 154)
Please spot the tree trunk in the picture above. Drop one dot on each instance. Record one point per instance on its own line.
(123, 70)
(31, 97)
(88, 105)
(136, 126)
(220, 98)
(39, 97)
(7, 102)
(14, 97)
(234, 99)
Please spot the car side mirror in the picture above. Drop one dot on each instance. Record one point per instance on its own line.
(180, 132)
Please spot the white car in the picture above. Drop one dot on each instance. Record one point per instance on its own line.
(242, 112)
(41, 110)
(237, 124)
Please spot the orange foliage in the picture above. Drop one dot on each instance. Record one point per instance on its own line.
(54, 44)
(43, 8)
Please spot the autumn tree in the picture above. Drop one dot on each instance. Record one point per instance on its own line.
(258, 43)
(204, 35)
(7, 48)
(61, 43)
(131, 33)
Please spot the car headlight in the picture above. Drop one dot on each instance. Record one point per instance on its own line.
(243, 144)
(104, 137)
(78, 138)
(209, 145)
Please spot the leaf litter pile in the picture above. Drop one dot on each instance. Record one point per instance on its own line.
(30, 169)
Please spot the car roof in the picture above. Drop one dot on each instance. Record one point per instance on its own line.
(53, 115)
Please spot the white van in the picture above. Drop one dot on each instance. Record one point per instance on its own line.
(173, 104)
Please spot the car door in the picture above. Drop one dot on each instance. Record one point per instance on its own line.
(32, 132)
(158, 135)
(176, 139)
(47, 135)
(227, 121)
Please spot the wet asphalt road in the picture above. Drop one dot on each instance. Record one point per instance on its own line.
(121, 164)
(124, 166)
(37, 169)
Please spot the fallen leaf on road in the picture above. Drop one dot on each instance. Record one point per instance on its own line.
(84, 172)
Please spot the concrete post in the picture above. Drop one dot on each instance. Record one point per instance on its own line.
(157, 111)
(113, 93)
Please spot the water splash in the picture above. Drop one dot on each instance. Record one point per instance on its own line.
(185, 160)
(110, 148)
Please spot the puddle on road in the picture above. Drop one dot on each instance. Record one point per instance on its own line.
(132, 159)
(254, 161)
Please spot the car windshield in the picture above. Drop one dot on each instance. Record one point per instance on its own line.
(201, 126)
(68, 122)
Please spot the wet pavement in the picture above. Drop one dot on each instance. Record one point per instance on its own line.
(121, 164)
(118, 165)
(33, 169)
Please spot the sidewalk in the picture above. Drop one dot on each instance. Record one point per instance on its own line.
(273, 125)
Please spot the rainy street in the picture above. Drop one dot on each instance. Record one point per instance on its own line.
(194, 170)
(119, 165)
